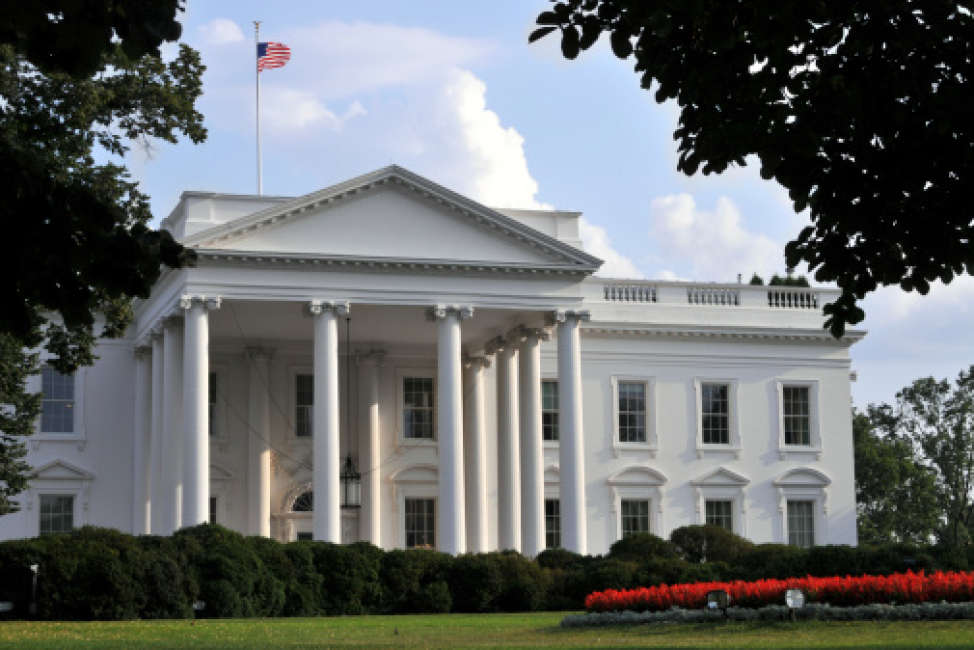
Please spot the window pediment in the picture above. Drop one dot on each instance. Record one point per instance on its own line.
(59, 470)
(721, 477)
(803, 477)
(637, 475)
(417, 474)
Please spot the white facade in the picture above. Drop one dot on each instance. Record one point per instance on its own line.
(411, 329)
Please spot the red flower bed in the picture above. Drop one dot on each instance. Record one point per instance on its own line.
(909, 587)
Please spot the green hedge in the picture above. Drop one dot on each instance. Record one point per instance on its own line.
(97, 573)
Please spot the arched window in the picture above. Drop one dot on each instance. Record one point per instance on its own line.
(304, 502)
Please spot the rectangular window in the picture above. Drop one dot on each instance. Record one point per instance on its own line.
(801, 523)
(57, 403)
(417, 400)
(632, 411)
(212, 510)
(57, 514)
(305, 537)
(549, 409)
(719, 513)
(795, 413)
(420, 523)
(212, 390)
(552, 523)
(714, 414)
(635, 516)
(304, 397)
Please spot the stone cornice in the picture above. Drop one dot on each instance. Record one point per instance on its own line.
(738, 333)
(315, 262)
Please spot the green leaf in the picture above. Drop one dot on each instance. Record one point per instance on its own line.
(621, 45)
(569, 42)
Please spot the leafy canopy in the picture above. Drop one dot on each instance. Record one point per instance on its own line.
(79, 80)
(861, 110)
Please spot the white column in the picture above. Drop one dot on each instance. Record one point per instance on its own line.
(196, 408)
(142, 443)
(475, 454)
(508, 452)
(370, 528)
(259, 468)
(157, 525)
(532, 454)
(172, 426)
(326, 518)
(571, 439)
(449, 394)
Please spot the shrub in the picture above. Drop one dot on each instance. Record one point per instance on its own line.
(772, 561)
(522, 583)
(559, 558)
(349, 578)
(709, 544)
(640, 547)
(168, 588)
(409, 582)
(475, 583)
(227, 571)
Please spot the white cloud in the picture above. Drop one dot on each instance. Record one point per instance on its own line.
(290, 109)
(338, 59)
(709, 245)
(220, 31)
(595, 240)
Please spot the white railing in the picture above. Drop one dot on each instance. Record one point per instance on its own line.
(792, 298)
(720, 296)
(615, 292)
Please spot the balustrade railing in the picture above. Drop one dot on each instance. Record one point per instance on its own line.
(629, 292)
(792, 298)
(720, 296)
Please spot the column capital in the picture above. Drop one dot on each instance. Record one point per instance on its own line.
(522, 334)
(209, 303)
(476, 363)
(495, 345)
(257, 352)
(370, 358)
(143, 348)
(440, 312)
(338, 307)
(565, 315)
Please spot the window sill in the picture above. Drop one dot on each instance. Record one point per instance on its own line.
(703, 450)
(550, 444)
(799, 449)
(418, 442)
(75, 438)
(620, 448)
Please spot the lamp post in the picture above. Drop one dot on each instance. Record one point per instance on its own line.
(795, 600)
(351, 484)
(32, 608)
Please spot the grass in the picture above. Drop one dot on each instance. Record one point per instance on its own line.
(476, 630)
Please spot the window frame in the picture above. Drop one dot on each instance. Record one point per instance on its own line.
(651, 446)
(814, 419)
(729, 516)
(557, 412)
(622, 515)
(58, 478)
(638, 482)
(423, 373)
(811, 516)
(78, 437)
(295, 372)
(556, 530)
(804, 484)
(40, 511)
(219, 424)
(419, 481)
(722, 484)
(734, 443)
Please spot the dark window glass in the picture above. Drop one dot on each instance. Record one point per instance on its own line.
(549, 409)
(801, 523)
(795, 415)
(304, 503)
(304, 399)
(719, 513)
(632, 411)
(552, 523)
(635, 516)
(417, 399)
(420, 523)
(57, 403)
(714, 415)
(57, 514)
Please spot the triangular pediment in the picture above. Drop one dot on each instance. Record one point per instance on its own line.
(637, 475)
(721, 477)
(393, 214)
(803, 477)
(59, 470)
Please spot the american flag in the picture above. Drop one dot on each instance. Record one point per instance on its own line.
(272, 55)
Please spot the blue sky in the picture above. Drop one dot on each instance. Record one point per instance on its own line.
(453, 91)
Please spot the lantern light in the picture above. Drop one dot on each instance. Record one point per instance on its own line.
(351, 485)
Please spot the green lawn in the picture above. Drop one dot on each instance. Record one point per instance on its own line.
(480, 630)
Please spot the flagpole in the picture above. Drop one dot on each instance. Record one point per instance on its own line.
(260, 186)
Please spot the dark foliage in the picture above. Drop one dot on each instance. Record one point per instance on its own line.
(838, 101)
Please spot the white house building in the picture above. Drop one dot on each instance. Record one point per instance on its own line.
(466, 366)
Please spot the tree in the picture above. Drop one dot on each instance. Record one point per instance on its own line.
(860, 109)
(896, 499)
(79, 78)
(938, 418)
